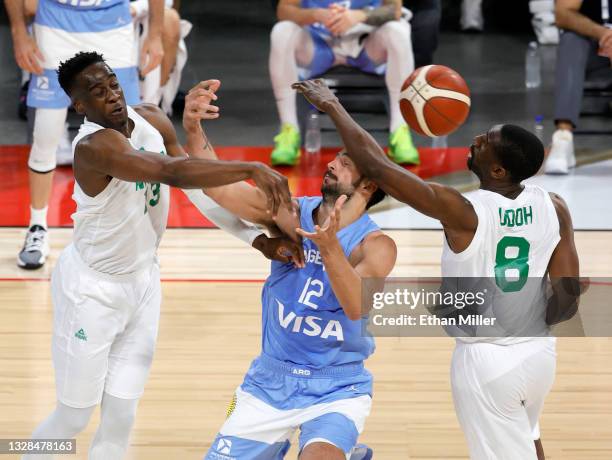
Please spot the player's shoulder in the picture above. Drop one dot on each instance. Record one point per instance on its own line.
(377, 244)
(98, 140)
(561, 208)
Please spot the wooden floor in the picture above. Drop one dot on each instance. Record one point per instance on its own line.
(210, 330)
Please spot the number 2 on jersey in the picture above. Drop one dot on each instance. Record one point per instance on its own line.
(315, 291)
(518, 263)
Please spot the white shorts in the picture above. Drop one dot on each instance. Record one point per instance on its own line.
(104, 331)
(499, 392)
(254, 430)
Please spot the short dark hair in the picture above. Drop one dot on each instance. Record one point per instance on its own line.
(520, 152)
(376, 197)
(68, 70)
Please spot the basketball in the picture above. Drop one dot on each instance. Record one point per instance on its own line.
(435, 100)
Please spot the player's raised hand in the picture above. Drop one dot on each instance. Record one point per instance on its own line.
(274, 185)
(282, 249)
(316, 92)
(326, 235)
(198, 104)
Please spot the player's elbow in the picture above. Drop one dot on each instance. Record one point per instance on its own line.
(354, 314)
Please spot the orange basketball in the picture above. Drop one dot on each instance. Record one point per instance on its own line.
(435, 100)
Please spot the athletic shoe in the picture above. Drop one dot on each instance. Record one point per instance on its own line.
(361, 452)
(35, 249)
(286, 146)
(64, 155)
(561, 157)
(471, 16)
(401, 148)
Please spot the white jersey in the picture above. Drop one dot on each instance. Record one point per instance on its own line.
(511, 248)
(118, 231)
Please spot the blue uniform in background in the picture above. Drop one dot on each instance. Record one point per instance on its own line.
(310, 373)
(323, 40)
(62, 28)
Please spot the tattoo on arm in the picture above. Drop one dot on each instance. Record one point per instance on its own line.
(207, 145)
(378, 16)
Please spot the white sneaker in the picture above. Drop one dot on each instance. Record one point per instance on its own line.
(64, 154)
(35, 249)
(471, 15)
(561, 157)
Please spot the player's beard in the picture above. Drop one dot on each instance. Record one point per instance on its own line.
(332, 191)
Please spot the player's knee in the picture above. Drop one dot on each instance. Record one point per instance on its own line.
(321, 451)
(398, 33)
(42, 156)
(282, 32)
(172, 24)
(74, 420)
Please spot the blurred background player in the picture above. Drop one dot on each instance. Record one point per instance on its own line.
(499, 383)
(161, 85)
(105, 286)
(60, 30)
(314, 35)
(585, 47)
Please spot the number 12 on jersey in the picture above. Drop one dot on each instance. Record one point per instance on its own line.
(312, 288)
(510, 265)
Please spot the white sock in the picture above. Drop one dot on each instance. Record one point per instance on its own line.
(38, 216)
(400, 64)
(63, 423)
(289, 44)
(392, 43)
(116, 420)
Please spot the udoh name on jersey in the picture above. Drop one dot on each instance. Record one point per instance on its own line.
(515, 217)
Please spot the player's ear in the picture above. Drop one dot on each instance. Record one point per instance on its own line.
(78, 106)
(498, 172)
(369, 186)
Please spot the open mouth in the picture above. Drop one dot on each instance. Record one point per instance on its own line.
(117, 110)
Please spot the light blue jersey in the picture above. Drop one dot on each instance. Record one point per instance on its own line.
(310, 373)
(62, 28)
(303, 322)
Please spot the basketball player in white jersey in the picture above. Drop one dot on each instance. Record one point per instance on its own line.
(106, 287)
(499, 384)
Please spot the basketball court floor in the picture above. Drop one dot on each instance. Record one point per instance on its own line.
(210, 323)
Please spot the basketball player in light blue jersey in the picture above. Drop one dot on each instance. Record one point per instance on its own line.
(313, 36)
(310, 372)
(61, 29)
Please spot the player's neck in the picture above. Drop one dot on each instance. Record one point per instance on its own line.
(507, 189)
(352, 210)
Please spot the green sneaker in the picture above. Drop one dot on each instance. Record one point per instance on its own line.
(286, 146)
(401, 148)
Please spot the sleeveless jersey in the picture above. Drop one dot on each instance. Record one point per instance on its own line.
(62, 28)
(118, 231)
(511, 249)
(303, 322)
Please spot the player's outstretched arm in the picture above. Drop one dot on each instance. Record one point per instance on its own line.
(108, 153)
(374, 258)
(434, 200)
(563, 269)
